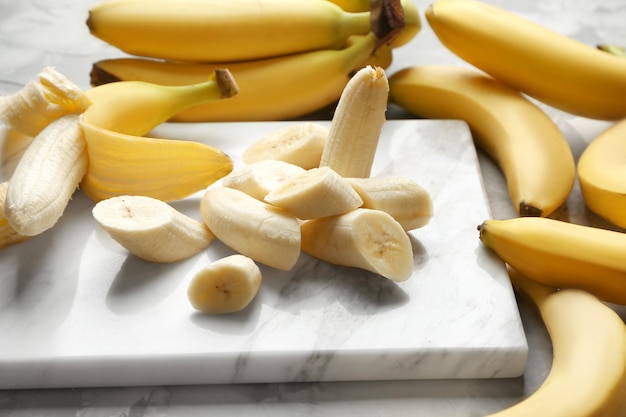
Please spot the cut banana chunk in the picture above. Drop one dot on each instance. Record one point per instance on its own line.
(227, 285)
(362, 238)
(251, 227)
(406, 201)
(299, 144)
(318, 192)
(259, 178)
(152, 229)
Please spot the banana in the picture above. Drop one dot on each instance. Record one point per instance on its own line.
(555, 69)
(270, 89)
(218, 31)
(226, 286)
(318, 192)
(41, 101)
(404, 199)
(8, 236)
(601, 172)
(251, 227)
(527, 145)
(363, 238)
(165, 169)
(561, 254)
(356, 124)
(46, 177)
(588, 372)
(299, 144)
(259, 178)
(151, 229)
(13, 144)
(136, 107)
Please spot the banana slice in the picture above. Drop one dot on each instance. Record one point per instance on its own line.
(406, 201)
(259, 178)
(362, 238)
(152, 229)
(251, 227)
(299, 144)
(318, 192)
(227, 285)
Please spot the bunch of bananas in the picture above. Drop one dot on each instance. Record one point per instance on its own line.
(289, 58)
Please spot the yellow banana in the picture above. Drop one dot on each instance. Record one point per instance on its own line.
(136, 107)
(218, 31)
(271, 89)
(561, 254)
(588, 373)
(601, 174)
(531, 151)
(553, 68)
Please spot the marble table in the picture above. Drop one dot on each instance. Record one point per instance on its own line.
(34, 33)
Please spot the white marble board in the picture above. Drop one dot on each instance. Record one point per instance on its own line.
(76, 310)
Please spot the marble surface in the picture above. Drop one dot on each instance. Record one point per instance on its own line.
(34, 33)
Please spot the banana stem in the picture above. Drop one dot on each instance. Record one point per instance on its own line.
(536, 291)
(221, 85)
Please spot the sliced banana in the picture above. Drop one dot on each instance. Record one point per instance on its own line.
(407, 201)
(265, 233)
(259, 178)
(152, 229)
(362, 238)
(227, 285)
(299, 144)
(318, 192)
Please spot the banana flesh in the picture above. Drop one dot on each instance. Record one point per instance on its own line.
(550, 67)
(404, 199)
(600, 173)
(362, 238)
(318, 192)
(46, 177)
(356, 125)
(251, 227)
(218, 31)
(588, 373)
(225, 286)
(151, 229)
(8, 235)
(300, 144)
(259, 178)
(561, 254)
(137, 165)
(527, 145)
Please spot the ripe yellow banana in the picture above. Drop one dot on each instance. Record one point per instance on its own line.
(46, 177)
(356, 124)
(553, 68)
(588, 373)
(151, 229)
(363, 238)
(165, 169)
(227, 285)
(220, 31)
(561, 254)
(251, 227)
(601, 174)
(271, 89)
(136, 107)
(529, 148)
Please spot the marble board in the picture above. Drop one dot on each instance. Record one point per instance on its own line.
(77, 311)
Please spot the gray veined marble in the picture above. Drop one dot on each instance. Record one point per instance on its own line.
(85, 313)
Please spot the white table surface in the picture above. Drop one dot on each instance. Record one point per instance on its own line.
(35, 33)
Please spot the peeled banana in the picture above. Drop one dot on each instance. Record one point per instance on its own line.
(561, 254)
(356, 124)
(522, 139)
(601, 174)
(8, 236)
(151, 229)
(363, 238)
(225, 286)
(553, 68)
(588, 373)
